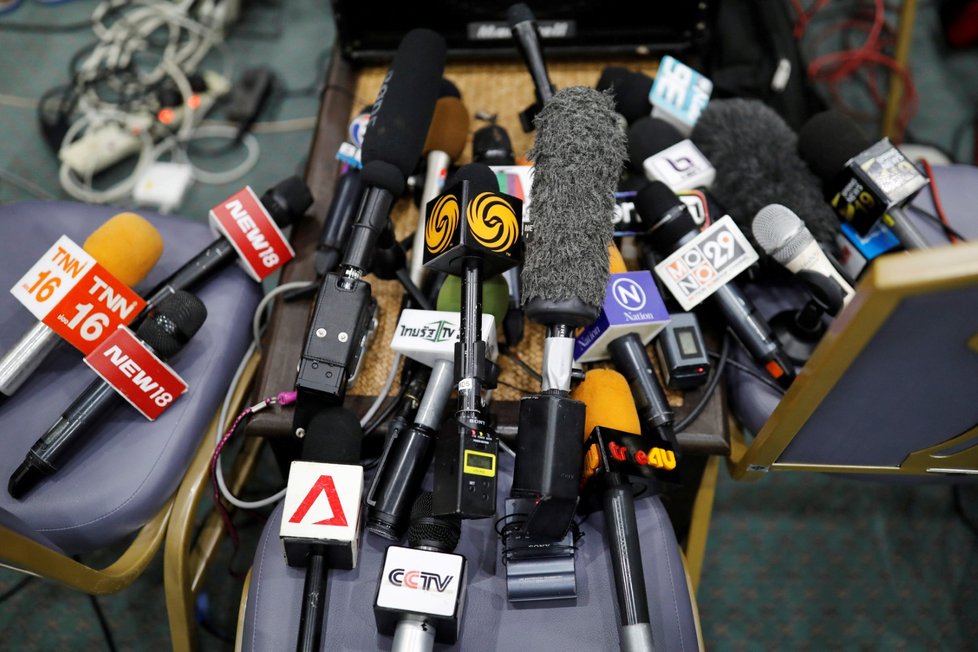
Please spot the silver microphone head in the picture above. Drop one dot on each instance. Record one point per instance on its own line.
(780, 232)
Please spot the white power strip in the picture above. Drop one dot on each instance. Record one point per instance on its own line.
(103, 146)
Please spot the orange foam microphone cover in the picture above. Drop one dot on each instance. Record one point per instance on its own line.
(608, 401)
(449, 128)
(616, 264)
(127, 246)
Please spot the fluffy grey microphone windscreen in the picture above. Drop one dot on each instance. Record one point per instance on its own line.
(578, 157)
(755, 154)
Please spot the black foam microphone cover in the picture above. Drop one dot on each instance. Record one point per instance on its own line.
(632, 96)
(667, 216)
(334, 436)
(402, 113)
(647, 137)
(828, 140)
(479, 175)
(287, 201)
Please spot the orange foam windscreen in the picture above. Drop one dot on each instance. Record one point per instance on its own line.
(449, 128)
(127, 246)
(616, 264)
(608, 402)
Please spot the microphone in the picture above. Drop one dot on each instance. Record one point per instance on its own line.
(609, 412)
(446, 139)
(523, 25)
(631, 90)
(658, 150)
(286, 202)
(633, 363)
(755, 154)
(421, 589)
(785, 238)
(165, 331)
(491, 145)
(485, 243)
(328, 475)
(865, 181)
(339, 221)
(392, 145)
(127, 246)
(564, 279)
(672, 227)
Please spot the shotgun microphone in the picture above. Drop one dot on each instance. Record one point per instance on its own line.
(578, 156)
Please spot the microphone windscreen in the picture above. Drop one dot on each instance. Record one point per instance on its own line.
(400, 117)
(648, 137)
(578, 157)
(380, 174)
(479, 176)
(333, 436)
(780, 232)
(608, 401)
(491, 145)
(172, 323)
(447, 88)
(127, 246)
(449, 128)
(495, 296)
(287, 201)
(828, 140)
(439, 532)
(653, 202)
(616, 264)
(755, 154)
(632, 96)
(518, 13)
(611, 78)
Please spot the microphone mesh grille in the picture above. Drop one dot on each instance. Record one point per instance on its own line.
(439, 532)
(780, 232)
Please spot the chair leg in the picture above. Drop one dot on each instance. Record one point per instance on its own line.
(182, 567)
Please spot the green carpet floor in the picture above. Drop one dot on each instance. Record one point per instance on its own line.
(794, 562)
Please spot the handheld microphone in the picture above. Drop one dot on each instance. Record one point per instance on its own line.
(784, 237)
(755, 154)
(672, 227)
(610, 409)
(446, 139)
(407, 457)
(523, 25)
(564, 279)
(658, 150)
(339, 221)
(392, 146)
(166, 330)
(421, 589)
(484, 243)
(328, 481)
(865, 182)
(286, 202)
(127, 246)
(633, 363)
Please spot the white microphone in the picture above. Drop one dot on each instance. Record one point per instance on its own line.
(785, 238)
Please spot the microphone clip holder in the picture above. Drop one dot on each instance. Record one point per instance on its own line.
(342, 323)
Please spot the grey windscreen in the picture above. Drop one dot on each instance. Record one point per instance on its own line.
(914, 385)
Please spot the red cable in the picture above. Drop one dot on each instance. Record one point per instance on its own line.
(936, 197)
